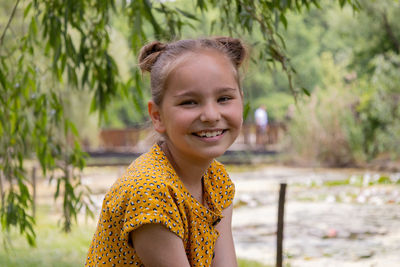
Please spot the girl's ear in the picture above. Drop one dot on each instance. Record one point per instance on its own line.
(155, 115)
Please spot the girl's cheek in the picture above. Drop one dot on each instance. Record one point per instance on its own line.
(237, 113)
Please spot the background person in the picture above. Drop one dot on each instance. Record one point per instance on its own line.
(261, 120)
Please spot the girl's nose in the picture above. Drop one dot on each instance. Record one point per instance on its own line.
(210, 113)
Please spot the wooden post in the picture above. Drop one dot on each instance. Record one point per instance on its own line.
(279, 238)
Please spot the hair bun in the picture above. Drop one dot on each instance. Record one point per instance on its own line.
(148, 55)
(235, 48)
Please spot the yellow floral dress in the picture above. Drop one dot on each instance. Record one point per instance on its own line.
(151, 192)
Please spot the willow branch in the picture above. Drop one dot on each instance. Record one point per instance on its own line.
(388, 28)
(1, 192)
(9, 22)
(277, 54)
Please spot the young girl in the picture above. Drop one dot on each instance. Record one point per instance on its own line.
(173, 206)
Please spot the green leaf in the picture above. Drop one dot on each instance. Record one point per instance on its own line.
(70, 49)
(187, 14)
(72, 127)
(31, 238)
(246, 110)
(27, 9)
(283, 19)
(3, 80)
(33, 26)
(305, 91)
(213, 23)
(57, 193)
(202, 5)
(149, 15)
(316, 3)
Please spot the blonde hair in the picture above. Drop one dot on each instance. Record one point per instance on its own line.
(159, 59)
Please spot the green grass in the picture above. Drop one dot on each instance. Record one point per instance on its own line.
(55, 248)
(250, 263)
(359, 181)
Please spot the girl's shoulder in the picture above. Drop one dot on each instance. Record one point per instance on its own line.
(151, 164)
(150, 170)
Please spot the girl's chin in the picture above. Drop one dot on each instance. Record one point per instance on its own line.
(211, 153)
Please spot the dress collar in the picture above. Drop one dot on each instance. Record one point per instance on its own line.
(212, 213)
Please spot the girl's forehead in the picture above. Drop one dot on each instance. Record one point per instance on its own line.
(202, 72)
(204, 58)
(192, 56)
(198, 69)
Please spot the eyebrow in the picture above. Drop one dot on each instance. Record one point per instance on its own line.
(195, 92)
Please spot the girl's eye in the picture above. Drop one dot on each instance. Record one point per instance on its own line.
(187, 103)
(224, 99)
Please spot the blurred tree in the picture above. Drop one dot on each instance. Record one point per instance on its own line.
(52, 47)
(357, 93)
(376, 62)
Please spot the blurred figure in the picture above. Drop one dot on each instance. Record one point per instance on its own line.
(261, 119)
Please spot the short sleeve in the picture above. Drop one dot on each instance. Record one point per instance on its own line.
(152, 203)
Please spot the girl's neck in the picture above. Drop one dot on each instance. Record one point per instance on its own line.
(189, 171)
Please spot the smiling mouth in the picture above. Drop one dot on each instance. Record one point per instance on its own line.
(209, 134)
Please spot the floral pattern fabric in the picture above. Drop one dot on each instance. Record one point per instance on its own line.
(151, 192)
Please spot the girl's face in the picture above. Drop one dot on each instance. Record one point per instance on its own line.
(201, 112)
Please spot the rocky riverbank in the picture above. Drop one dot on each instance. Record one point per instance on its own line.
(346, 217)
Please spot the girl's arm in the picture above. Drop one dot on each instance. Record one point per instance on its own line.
(224, 248)
(157, 246)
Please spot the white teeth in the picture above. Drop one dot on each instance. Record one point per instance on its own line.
(210, 134)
